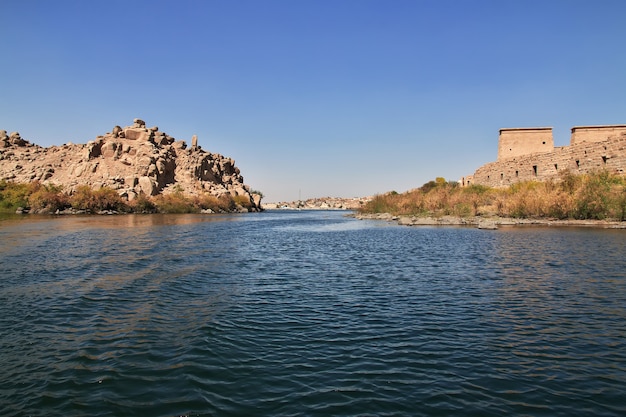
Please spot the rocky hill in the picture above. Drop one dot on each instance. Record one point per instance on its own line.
(132, 160)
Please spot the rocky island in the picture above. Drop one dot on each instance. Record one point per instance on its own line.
(134, 161)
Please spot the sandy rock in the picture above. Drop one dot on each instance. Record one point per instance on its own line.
(136, 133)
(147, 186)
(131, 159)
(487, 224)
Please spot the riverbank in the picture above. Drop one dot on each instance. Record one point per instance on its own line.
(594, 197)
(491, 223)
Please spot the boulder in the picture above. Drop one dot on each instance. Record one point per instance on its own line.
(487, 224)
(109, 149)
(16, 139)
(136, 133)
(147, 186)
(116, 131)
(131, 182)
(180, 144)
(139, 123)
(94, 149)
(4, 139)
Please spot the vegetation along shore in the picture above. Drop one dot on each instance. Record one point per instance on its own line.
(38, 198)
(594, 199)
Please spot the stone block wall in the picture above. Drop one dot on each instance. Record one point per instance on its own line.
(579, 158)
(595, 133)
(514, 142)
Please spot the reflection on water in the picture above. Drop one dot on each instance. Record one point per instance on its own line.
(308, 313)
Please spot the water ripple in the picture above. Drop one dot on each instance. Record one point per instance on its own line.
(308, 314)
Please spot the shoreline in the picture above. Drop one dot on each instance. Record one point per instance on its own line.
(489, 223)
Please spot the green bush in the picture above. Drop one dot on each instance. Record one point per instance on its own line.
(381, 204)
(142, 204)
(14, 195)
(226, 203)
(243, 201)
(600, 196)
(85, 198)
(175, 203)
(48, 199)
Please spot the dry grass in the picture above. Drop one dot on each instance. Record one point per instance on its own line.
(39, 198)
(599, 196)
(92, 201)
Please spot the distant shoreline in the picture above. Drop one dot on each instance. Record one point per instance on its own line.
(319, 203)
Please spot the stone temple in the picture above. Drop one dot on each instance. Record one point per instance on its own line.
(526, 154)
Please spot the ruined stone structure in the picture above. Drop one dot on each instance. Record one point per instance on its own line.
(133, 160)
(523, 141)
(595, 133)
(529, 154)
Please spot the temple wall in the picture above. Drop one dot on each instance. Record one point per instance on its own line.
(578, 158)
(523, 141)
(595, 133)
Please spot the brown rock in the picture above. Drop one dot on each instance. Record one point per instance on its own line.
(136, 133)
(139, 123)
(147, 186)
(126, 160)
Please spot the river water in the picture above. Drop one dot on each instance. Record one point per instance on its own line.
(308, 314)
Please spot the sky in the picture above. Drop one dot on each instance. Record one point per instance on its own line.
(341, 98)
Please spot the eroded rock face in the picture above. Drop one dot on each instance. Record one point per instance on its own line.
(131, 160)
(14, 138)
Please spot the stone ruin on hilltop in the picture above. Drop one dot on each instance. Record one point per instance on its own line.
(132, 160)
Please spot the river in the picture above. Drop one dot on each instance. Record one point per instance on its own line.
(287, 313)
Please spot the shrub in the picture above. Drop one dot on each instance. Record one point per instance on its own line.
(14, 195)
(428, 186)
(599, 195)
(619, 193)
(226, 203)
(175, 203)
(208, 202)
(381, 204)
(84, 198)
(48, 199)
(142, 204)
(243, 201)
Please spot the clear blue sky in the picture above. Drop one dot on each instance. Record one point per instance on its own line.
(315, 98)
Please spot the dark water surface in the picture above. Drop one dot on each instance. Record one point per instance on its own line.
(308, 314)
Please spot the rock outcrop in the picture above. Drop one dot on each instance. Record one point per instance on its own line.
(132, 160)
